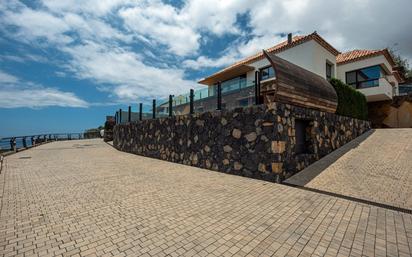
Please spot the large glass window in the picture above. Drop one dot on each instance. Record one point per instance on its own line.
(230, 85)
(364, 78)
(266, 73)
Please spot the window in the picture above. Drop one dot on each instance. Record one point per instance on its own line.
(364, 78)
(230, 85)
(267, 72)
(302, 134)
(329, 68)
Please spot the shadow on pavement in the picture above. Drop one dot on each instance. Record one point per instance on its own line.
(306, 175)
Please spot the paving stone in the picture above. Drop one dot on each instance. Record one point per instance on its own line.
(375, 167)
(84, 198)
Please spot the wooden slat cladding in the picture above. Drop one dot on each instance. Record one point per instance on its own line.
(297, 86)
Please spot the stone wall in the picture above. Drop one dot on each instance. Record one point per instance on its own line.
(256, 141)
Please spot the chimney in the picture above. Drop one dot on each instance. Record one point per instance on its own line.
(289, 38)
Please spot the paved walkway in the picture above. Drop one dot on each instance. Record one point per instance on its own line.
(84, 198)
(376, 167)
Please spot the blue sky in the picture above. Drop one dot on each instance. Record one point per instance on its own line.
(65, 65)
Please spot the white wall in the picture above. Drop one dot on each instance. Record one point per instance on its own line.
(309, 55)
(321, 56)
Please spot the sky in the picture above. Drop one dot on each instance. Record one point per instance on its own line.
(65, 65)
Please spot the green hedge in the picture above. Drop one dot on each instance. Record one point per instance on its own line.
(351, 102)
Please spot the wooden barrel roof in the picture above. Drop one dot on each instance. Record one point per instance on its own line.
(298, 86)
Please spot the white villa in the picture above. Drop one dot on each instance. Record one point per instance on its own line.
(369, 71)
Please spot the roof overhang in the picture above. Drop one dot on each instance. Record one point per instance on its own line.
(227, 74)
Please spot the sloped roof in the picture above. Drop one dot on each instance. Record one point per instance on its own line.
(296, 40)
(358, 54)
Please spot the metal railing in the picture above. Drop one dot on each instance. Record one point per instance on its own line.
(13, 144)
(222, 96)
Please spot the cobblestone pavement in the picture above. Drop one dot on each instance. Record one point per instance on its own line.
(377, 169)
(84, 198)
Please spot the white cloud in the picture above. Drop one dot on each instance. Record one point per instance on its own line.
(162, 23)
(34, 25)
(181, 29)
(215, 16)
(24, 58)
(15, 93)
(130, 78)
(7, 78)
(345, 24)
(102, 39)
(95, 7)
(94, 29)
(234, 53)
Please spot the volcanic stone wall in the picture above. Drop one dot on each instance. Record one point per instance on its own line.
(265, 142)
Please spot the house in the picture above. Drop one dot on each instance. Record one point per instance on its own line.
(310, 52)
(372, 72)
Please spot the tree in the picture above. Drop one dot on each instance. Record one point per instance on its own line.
(402, 64)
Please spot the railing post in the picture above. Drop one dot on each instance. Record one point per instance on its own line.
(140, 111)
(120, 116)
(170, 105)
(154, 109)
(259, 95)
(32, 141)
(219, 96)
(191, 99)
(24, 142)
(257, 87)
(12, 144)
(129, 114)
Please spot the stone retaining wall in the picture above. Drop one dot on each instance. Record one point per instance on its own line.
(256, 141)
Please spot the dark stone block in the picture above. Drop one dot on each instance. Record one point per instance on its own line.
(185, 139)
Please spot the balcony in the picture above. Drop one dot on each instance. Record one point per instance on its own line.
(376, 90)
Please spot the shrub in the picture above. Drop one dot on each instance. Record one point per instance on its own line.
(351, 102)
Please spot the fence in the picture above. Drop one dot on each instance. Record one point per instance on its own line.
(222, 96)
(14, 144)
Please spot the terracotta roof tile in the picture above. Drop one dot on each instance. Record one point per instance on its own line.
(357, 55)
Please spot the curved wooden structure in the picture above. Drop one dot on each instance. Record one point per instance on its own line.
(297, 86)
